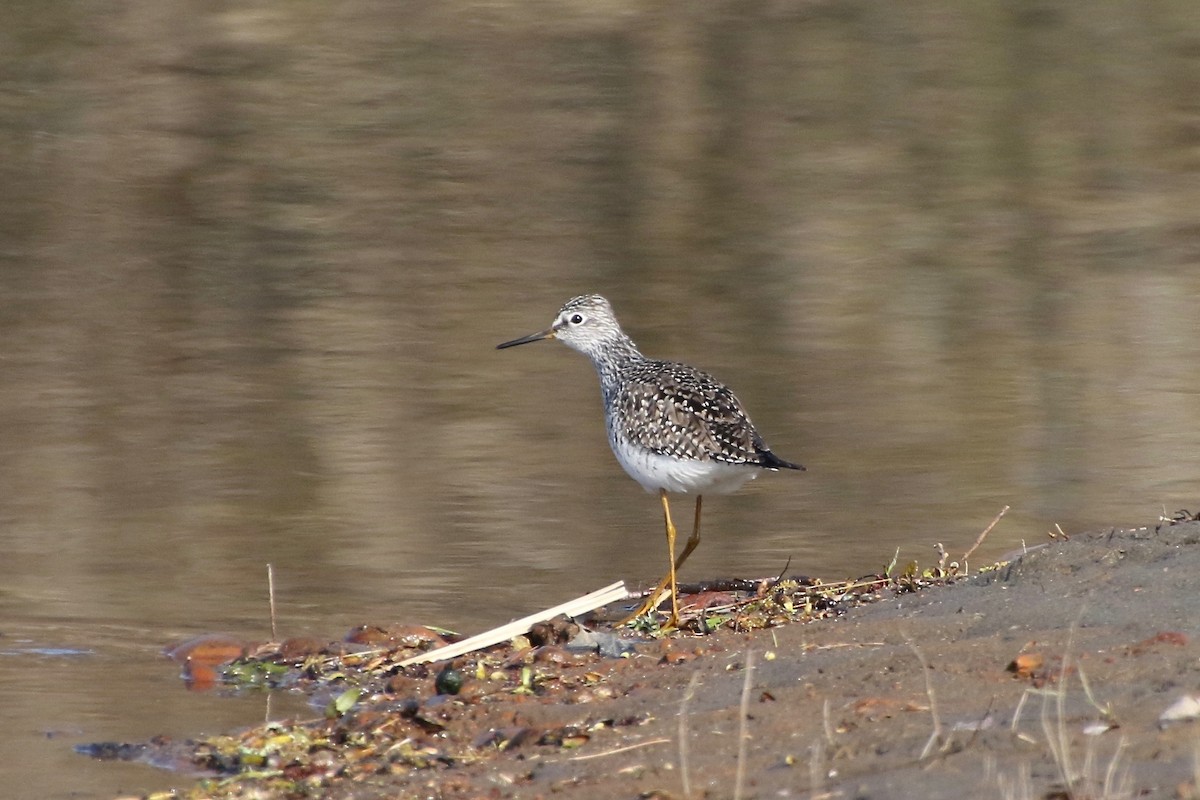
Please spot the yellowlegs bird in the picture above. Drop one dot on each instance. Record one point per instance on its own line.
(672, 427)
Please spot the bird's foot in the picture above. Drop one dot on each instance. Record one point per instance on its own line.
(648, 607)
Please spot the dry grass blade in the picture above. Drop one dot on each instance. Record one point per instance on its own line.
(936, 736)
(625, 749)
(271, 600)
(743, 721)
(688, 694)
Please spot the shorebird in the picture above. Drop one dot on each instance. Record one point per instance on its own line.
(674, 428)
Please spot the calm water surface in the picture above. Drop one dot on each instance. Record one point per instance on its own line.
(254, 264)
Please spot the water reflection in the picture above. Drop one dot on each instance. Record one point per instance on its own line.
(254, 263)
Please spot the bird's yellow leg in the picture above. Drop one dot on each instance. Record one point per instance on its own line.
(693, 540)
(673, 620)
(669, 579)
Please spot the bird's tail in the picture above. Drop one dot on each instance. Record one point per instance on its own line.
(772, 461)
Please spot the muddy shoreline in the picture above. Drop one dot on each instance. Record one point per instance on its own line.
(1047, 677)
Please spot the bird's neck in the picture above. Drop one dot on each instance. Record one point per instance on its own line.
(612, 358)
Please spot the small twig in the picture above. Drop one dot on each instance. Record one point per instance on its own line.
(982, 536)
(743, 723)
(271, 600)
(624, 749)
(782, 572)
(688, 694)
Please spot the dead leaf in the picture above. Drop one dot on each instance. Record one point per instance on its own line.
(1026, 664)
(1175, 638)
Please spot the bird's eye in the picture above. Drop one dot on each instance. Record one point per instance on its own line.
(576, 319)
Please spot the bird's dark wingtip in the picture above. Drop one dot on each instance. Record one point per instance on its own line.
(772, 461)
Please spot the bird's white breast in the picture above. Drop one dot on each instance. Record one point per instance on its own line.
(681, 476)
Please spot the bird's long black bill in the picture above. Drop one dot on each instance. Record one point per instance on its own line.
(533, 337)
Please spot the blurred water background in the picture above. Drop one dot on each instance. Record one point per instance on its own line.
(254, 259)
